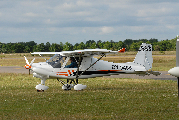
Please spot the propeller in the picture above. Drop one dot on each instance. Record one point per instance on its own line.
(28, 66)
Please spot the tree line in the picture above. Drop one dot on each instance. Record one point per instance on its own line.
(129, 44)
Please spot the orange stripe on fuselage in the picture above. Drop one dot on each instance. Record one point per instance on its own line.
(61, 72)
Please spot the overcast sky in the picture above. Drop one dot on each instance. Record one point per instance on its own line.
(76, 21)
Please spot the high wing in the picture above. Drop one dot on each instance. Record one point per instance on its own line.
(84, 52)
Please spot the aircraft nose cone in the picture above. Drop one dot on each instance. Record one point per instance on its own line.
(36, 69)
(174, 71)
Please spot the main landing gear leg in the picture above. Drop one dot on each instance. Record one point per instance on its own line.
(76, 81)
(66, 86)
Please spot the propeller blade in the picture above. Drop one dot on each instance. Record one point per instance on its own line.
(29, 71)
(32, 62)
(26, 61)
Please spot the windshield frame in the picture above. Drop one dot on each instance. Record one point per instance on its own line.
(56, 61)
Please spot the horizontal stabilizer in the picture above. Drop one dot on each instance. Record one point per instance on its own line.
(154, 73)
(143, 73)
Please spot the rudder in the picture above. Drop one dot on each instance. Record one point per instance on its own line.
(144, 56)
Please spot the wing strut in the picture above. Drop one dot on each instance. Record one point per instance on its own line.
(78, 70)
(92, 64)
(42, 56)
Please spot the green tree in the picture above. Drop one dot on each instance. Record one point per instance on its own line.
(89, 43)
(135, 46)
(173, 44)
(4, 48)
(1, 47)
(18, 48)
(153, 40)
(93, 45)
(55, 47)
(67, 47)
(47, 46)
(113, 45)
(31, 45)
(128, 42)
(40, 48)
(156, 48)
(75, 47)
(27, 49)
(81, 46)
(107, 45)
(119, 45)
(165, 45)
(99, 44)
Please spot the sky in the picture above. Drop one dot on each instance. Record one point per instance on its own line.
(77, 21)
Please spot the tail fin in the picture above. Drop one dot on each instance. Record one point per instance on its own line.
(144, 56)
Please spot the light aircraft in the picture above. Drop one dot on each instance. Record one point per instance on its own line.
(87, 66)
(175, 71)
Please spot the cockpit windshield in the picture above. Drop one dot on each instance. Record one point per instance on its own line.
(56, 61)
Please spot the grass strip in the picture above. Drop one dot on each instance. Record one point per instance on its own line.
(104, 98)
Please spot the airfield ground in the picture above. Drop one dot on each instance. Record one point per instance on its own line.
(111, 97)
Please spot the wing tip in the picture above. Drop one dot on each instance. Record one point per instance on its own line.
(122, 50)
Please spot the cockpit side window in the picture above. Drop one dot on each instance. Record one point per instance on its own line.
(72, 63)
(56, 61)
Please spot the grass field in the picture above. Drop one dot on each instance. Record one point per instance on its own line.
(104, 98)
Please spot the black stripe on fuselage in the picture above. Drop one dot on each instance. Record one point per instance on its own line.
(98, 72)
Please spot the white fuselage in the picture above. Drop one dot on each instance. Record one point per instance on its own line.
(99, 69)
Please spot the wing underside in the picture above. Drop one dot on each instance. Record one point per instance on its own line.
(85, 52)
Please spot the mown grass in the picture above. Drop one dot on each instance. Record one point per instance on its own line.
(163, 63)
(104, 98)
